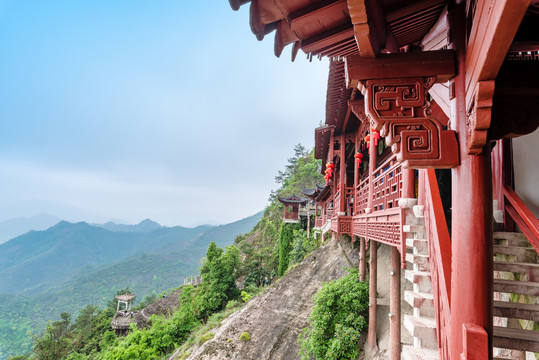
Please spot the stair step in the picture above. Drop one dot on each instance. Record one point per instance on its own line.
(421, 278)
(413, 228)
(516, 310)
(516, 287)
(423, 303)
(512, 238)
(423, 328)
(516, 339)
(421, 245)
(522, 254)
(422, 261)
(518, 267)
(413, 353)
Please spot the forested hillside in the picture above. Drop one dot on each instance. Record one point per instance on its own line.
(252, 261)
(146, 262)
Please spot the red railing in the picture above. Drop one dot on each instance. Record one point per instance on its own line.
(382, 226)
(439, 260)
(362, 196)
(318, 222)
(387, 185)
(522, 216)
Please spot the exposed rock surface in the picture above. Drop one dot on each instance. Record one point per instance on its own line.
(164, 306)
(275, 318)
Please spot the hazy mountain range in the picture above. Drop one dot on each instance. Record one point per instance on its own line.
(71, 265)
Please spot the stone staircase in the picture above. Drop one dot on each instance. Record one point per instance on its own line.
(421, 324)
(516, 294)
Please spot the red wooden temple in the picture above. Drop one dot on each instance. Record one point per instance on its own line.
(431, 112)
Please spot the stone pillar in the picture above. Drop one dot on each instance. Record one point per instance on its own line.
(371, 335)
(362, 263)
(395, 306)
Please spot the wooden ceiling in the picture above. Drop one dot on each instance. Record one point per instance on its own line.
(338, 28)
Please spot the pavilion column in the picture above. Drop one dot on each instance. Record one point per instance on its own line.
(342, 174)
(408, 184)
(371, 336)
(471, 240)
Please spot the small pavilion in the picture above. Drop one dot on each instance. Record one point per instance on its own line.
(123, 317)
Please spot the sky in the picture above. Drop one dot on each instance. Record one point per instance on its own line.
(129, 109)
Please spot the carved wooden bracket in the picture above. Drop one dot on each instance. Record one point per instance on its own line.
(400, 110)
(478, 117)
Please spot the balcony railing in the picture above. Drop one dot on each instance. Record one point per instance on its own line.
(387, 185)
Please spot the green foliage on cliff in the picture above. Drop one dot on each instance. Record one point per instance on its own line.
(262, 247)
(338, 318)
(285, 242)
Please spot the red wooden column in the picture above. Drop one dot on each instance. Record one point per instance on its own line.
(362, 263)
(408, 184)
(471, 244)
(371, 336)
(342, 173)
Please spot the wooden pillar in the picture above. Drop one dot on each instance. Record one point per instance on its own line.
(471, 243)
(372, 168)
(371, 335)
(408, 184)
(362, 264)
(395, 306)
(356, 178)
(342, 173)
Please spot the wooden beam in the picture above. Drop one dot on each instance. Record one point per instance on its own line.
(369, 26)
(494, 27)
(327, 38)
(315, 12)
(386, 66)
(413, 8)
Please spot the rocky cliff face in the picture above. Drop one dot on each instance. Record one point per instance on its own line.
(275, 318)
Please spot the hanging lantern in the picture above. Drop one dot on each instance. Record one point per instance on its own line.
(376, 136)
(368, 141)
(359, 157)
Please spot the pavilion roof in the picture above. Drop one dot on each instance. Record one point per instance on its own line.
(125, 297)
(337, 28)
(292, 199)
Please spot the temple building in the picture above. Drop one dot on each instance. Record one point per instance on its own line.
(429, 148)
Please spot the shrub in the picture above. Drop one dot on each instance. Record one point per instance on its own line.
(245, 296)
(287, 233)
(245, 336)
(338, 318)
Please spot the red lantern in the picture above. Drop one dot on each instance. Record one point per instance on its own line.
(359, 157)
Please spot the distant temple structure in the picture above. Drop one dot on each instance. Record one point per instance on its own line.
(294, 208)
(430, 151)
(124, 316)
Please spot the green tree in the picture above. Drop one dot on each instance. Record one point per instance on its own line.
(56, 342)
(287, 234)
(338, 318)
(218, 279)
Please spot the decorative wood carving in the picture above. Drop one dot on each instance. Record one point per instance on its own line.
(478, 117)
(400, 110)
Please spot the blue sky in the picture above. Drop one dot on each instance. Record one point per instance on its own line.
(170, 110)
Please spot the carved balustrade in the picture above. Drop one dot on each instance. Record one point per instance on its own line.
(318, 222)
(349, 193)
(362, 196)
(387, 185)
(384, 226)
